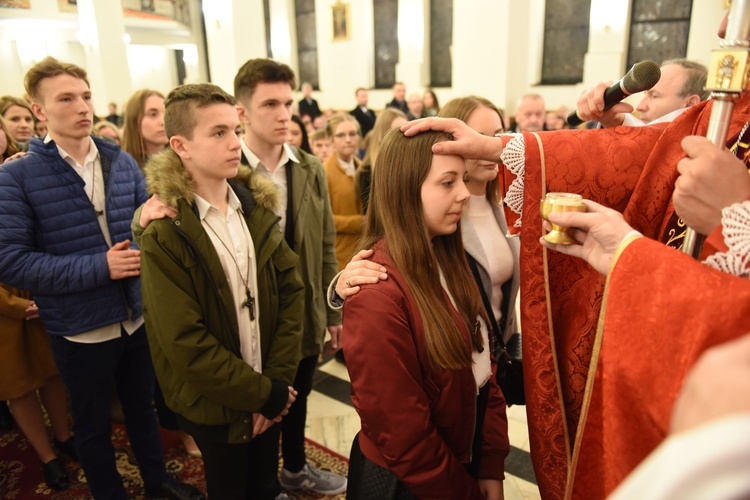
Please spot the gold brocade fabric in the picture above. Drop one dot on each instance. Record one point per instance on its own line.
(674, 235)
(644, 358)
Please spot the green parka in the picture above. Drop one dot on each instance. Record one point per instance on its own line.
(314, 243)
(190, 313)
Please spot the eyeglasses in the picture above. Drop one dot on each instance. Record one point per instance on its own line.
(342, 135)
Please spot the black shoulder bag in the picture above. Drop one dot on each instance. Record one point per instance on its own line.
(509, 367)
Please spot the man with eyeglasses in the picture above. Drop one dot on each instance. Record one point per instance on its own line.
(343, 184)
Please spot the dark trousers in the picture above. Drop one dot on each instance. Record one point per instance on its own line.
(293, 424)
(88, 371)
(167, 417)
(239, 471)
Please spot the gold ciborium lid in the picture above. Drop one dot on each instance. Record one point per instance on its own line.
(560, 202)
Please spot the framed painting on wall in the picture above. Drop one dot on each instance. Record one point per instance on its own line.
(15, 4)
(341, 21)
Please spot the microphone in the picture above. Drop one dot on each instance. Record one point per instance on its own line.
(642, 76)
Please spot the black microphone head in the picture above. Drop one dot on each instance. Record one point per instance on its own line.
(642, 76)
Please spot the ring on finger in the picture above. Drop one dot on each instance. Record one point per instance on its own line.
(347, 283)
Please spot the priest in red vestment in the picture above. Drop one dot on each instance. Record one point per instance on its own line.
(601, 378)
(632, 170)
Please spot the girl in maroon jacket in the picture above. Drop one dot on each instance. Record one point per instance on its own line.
(417, 349)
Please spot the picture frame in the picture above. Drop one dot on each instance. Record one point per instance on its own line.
(341, 18)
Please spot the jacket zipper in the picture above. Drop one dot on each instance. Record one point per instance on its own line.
(267, 233)
(217, 293)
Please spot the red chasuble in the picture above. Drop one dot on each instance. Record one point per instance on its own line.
(632, 170)
(661, 310)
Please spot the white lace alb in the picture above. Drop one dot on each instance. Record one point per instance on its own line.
(514, 160)
(735, 221)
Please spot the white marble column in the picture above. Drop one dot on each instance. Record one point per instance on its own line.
(283, 32)
(413, 66)
(481, 64)
(609, 27)
(102, 33)
(235, 32)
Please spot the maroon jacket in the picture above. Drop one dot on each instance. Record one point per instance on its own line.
(417, 421)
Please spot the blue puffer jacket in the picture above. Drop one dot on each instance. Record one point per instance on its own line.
(51, 243)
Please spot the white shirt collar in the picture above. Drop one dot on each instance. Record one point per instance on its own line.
(286, 155)
(348, 167)
(204, 206)
(669, 117)
(92, 155)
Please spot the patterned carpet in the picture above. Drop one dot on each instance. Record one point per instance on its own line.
(21, 476)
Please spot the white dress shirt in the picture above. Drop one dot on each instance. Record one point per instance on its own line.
(632, 121)
(276, 174)
(234, 245)
(348, 167)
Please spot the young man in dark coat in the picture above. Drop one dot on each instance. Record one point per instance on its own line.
(65, 237)
(223, 301)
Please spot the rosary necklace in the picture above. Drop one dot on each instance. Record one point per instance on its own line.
(249, 299)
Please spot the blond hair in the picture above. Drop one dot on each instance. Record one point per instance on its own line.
(49, 67)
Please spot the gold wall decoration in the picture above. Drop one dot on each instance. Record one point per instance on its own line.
(341, 21)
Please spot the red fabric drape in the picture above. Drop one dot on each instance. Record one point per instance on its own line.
(632, 170)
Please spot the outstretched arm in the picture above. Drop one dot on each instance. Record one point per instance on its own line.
(598, 232)
(466, 141)
(358, 271)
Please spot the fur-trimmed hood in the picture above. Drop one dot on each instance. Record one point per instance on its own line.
(167, 177)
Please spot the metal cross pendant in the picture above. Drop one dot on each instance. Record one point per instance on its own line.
(249, 303)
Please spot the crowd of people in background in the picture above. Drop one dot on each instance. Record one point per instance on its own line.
(138, 130)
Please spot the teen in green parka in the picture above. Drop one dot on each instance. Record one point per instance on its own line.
(190, 310)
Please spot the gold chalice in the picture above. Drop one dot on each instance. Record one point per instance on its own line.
(560, 202)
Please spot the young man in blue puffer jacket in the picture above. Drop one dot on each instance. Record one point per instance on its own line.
(65, 236)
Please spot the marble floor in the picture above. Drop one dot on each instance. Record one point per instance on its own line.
(333, 422)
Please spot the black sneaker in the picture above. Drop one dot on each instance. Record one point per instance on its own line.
(55, 475)
(173, 489)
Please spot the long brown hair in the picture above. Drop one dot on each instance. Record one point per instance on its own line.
(372, 143)
(132, 140)
(462, 108)
(11, 147)
(403, 165)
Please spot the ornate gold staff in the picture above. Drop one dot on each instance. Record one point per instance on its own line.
(727, 77)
